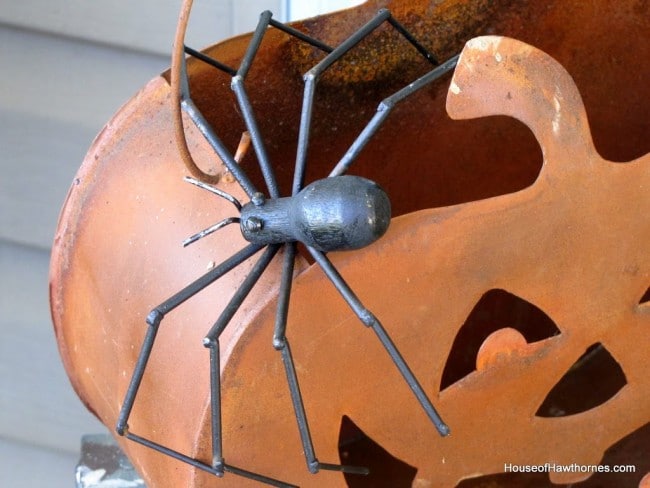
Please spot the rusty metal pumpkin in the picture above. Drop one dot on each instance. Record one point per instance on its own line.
(485, 225)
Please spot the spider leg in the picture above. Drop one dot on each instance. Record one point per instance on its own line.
(205, 467)
(384, 109)
(237, 85)
(369, 320)
(182, 102)
(180, 86)
(218, 467)
(186, 104)
(155, 318)
(312, 76)
(281, 344)
(211, 341)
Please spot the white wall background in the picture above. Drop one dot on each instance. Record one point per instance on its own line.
(66, 67)
(303, 10)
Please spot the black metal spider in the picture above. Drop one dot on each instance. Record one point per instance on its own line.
(270, 223)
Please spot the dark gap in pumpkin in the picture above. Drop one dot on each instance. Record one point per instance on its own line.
(495, 310)
(592, 380)
(357, 449)
(645, 299)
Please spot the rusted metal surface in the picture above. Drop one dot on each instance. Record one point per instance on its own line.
(556, 244)
(595, 44)
(568, 236)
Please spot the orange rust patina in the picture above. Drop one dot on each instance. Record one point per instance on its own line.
(482, 219)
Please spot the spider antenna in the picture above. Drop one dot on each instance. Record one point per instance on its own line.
(210, 230)
(244, 143)
(213, 228)
(216, 191)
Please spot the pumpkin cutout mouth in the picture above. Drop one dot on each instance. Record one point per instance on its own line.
(504, 194)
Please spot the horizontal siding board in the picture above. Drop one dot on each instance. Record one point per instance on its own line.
(302, 10)
(57, 96)
(27, 466)
(70, 81)
(145, 25)
(37, 403)
(59, 92)
(47, 164)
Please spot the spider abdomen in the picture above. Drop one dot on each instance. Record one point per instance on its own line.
(333, 214)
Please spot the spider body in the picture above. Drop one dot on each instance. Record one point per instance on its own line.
(332, 214)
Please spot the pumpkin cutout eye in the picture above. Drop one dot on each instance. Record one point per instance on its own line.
(577, 392)
(497, 309)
